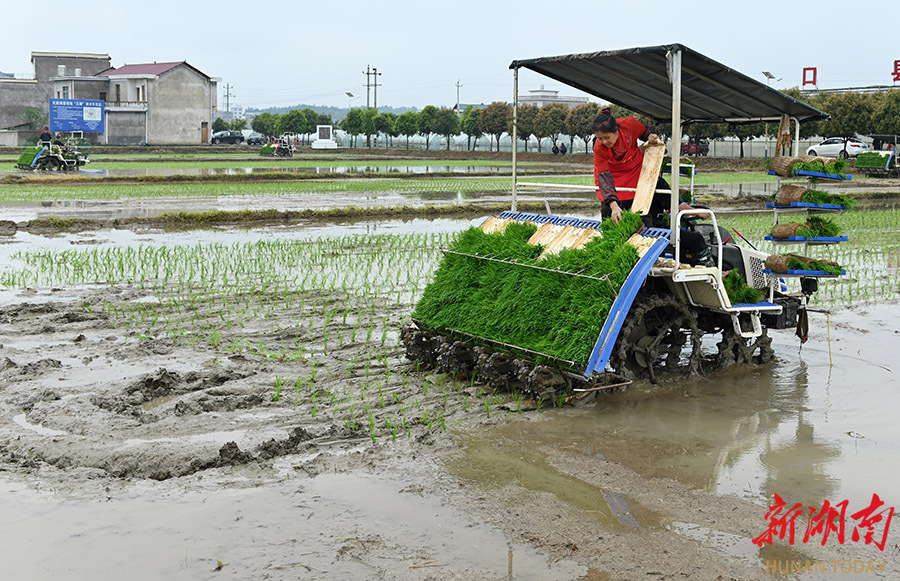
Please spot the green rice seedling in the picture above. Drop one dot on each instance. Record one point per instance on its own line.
(278, 384)
(738, 291)
(372, 427)
(467, 293)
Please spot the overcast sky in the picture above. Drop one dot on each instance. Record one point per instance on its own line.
(277, 53)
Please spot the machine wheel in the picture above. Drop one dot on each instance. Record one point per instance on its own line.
(736, 349)
(48, 163)
(656, 332)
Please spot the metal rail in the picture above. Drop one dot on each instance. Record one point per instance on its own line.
(580, 187)
(573, 364)
(604, 278)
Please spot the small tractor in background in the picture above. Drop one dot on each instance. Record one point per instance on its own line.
(280, 147)
(68, 155)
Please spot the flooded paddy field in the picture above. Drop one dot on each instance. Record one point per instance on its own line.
(235, 403)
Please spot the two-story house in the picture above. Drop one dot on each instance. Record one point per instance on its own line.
(169, 103)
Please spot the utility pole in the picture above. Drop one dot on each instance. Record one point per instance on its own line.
(375, 84)
(370, 84)
(458, 112)
(228, 96)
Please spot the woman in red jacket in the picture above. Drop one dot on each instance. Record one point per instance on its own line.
(617, 163)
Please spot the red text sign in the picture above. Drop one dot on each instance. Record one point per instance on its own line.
(871, 526)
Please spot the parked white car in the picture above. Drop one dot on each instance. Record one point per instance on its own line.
(834, 147)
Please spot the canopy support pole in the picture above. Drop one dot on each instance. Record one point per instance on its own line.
(674, 62)
(515, 136)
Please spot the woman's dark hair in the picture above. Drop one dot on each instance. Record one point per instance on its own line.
(605, 122)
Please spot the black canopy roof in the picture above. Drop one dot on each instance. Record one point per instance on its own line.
(637, 79)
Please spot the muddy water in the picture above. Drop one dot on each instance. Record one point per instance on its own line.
(321, 528)
(818, 423)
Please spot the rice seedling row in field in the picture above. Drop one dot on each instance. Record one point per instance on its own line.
(47, 192)
(296, 163)
(325, 312)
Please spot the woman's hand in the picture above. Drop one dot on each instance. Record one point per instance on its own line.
(616, 212)
(653, 139)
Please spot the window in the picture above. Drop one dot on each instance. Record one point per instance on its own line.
(118, 93)
(65, 92)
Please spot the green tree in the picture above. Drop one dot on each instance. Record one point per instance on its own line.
(312, 119)
(353, 124)
(494, 120)
(219, 125)
(525, 123)
(851, 113)
(468, 123)
(238, 125)
(446, 123)
(743, 132)
(580, 122)
(810, 128)
(294, 121)
(425, 122)
(886, 117)
(407, 124)
(386, 123)
(368, 125)
(550, 122)
(265, 123)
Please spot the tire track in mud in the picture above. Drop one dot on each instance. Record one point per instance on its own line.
(128, 402)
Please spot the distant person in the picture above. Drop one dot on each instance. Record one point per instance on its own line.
(555, 150)
(59, 143)
(46, 136)
(562, 149)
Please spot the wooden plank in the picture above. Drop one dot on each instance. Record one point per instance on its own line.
(544, 234)
(494, 225)
(568, 237)
(646, 186)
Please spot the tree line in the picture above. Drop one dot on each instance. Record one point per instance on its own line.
(298, 121)
(851, 114)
